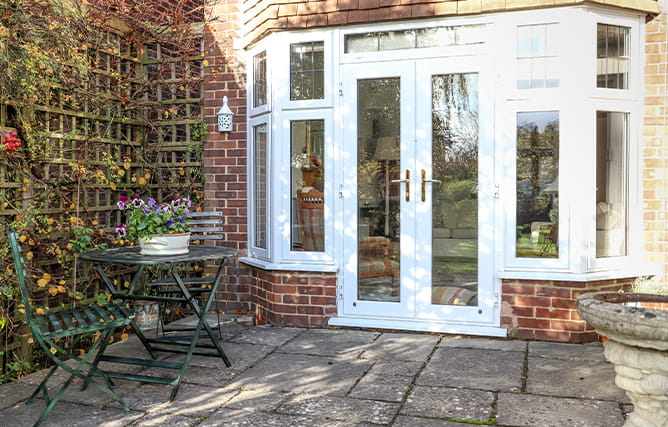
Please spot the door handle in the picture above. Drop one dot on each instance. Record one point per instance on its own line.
(424, 182)
(406, 181)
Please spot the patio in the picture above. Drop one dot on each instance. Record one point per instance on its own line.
(327, 377)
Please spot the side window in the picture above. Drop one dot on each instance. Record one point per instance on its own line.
(612, 56)
(307, 71)
(537, 179)
(612, 132)
(260, 79)
(307, 138)
(537, 56)
(260, 186)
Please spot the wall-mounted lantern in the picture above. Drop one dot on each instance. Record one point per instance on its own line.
(224, 117)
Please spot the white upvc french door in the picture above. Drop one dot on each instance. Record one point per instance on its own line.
(418, 193)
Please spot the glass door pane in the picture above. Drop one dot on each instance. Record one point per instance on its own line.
(378, 158)
(454, 184)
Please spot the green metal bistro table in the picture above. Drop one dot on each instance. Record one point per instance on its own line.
(175, 344)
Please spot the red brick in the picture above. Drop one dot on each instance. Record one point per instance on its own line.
(533, 323)
(519, 289)
(323, 300)
(526, 301)
(553, 292)
(295, 299)
(567, 325)
(552, 336)
(553, 314)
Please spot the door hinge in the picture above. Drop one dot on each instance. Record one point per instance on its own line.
(340, 88)
(496, 191)
(496, 299)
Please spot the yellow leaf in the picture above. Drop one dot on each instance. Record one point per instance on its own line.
(46, 276)
(205, 63)
(142, 181)
(22, 238)
(95, 222)
(61, 282)
(112, 185)
(121, 172)
(30, 255)
(53, 290)
(147, 175)
(39, 311)
(42, 283)
(126, 165)
(53, 350)
(126, 284)
(124, 336)
(61, 289)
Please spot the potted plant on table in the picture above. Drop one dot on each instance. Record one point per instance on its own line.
(159, 228)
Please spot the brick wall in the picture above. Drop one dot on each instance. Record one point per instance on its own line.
(655, 141)
(545, 309)
(225, 153)
(295, 299)
(264, 16)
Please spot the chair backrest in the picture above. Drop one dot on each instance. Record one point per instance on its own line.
(206, 226)
(310, 207)
(21, 273)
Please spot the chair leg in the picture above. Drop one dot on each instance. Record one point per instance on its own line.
(76, 372)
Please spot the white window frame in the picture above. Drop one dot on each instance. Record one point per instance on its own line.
(281, 66)
(250, 60)
(254, 251)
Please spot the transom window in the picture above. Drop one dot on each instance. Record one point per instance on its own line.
(260, 79)
(537, 56)
(307, 71)
(612, 65)
(414, 38)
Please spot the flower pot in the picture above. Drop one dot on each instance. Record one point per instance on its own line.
(165, 244)
(146, 314)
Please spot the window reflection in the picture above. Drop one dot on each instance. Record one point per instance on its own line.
(307, 181)
(537, 56)
(537, 220)
(611, 183)
(260, 79)
(307, 71)
(612, 68)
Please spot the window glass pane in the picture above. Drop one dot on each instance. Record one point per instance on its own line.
(612, 67)
(307, 138)
(395, 40)
(470, 34)
(537, 46)
(362, 43)
(437, 36)
(260, 79)
(611, 183)
(537, 177)
(307, 72)
(260, 190)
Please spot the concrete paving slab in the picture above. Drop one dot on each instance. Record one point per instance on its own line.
(66, 414)
(258, 400)
(492, 370)
(300, 373)
(242, 356)
(593, 352)
(267, 335)
(383, 368)
(330, 342)
(243, 418)
(441, 402)
(543, 411)
(192, 400)
(410, 347)
(14, 392)
(389, 388)
(483, 343)
(342, 409)
(573, 378)
(406, 421)
(161, 420)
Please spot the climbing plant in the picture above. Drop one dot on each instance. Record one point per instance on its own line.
(104, 97)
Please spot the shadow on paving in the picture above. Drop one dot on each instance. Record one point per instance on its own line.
(335, 377)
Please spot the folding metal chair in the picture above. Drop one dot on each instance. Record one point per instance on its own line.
(203, 226)
(77, 323)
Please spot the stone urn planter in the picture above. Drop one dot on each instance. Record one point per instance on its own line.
(637, 346)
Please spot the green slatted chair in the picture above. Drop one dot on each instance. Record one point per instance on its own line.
(203, 226)
(76, 323)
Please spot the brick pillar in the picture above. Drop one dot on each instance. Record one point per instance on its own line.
(224, 153)
(655, 141)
